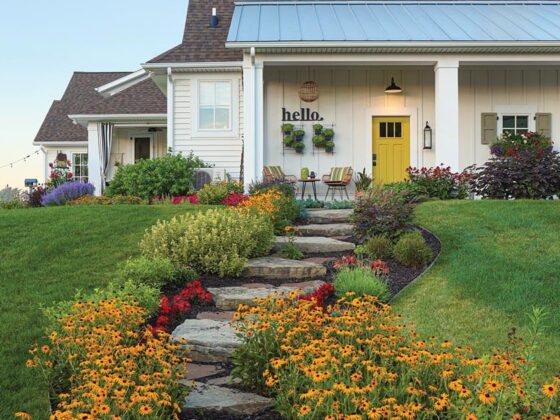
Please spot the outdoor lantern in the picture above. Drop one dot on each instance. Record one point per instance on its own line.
(393, 88)
(427, 136)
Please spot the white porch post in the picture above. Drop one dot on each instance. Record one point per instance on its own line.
(170, 111)
(94, 160)
(253, 126)
(447, 113)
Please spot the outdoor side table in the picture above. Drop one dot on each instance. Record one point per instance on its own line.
(311, 181)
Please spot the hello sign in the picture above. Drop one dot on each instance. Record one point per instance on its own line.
(304, 114)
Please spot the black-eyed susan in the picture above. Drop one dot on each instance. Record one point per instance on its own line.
(550, 390)
(486, 397)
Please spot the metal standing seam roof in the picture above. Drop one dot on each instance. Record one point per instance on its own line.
(379, 21)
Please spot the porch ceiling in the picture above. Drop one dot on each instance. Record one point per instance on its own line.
(375, 23)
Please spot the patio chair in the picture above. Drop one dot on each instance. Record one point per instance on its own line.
(275, 173)
(338, 179)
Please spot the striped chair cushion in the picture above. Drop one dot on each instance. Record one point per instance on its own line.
(275, 172)
(338, 173)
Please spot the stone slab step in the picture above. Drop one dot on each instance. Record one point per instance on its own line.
(314, 244)
(208, 340)
(330, 230)
(229, 298)
(224, 400)
(197, 371)
(282, 268)
(322, 216)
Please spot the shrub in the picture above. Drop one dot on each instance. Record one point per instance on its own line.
(378, 247)
(14, 203)
(99, 360)
(156, 272)
(361, 281)
(439, 182)
(528, 174)
(218, 241)
(260, 187)
(412, 250)
(405, 190)
(149, 178)
(357, 360)
(381, 212)
(234, 199)
(511, 145)
(180, 199)
(8, 194)
(67, 192)
(35, 197)
(282, 208)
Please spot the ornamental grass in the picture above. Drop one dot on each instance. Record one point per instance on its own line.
(100, 363)
(356, 360)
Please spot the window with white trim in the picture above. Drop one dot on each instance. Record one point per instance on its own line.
(80, 167)
(515, 123)
(214, 105)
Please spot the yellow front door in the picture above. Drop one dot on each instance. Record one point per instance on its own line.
(391, 149)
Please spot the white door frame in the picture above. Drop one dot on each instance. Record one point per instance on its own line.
(412, 113)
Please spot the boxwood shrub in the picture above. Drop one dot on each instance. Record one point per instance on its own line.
(217, 241)
(412, 250)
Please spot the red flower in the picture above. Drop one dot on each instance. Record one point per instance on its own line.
(162, 320)
(69, 175)
(53, 175)
(346, 261)
(234, 199)
(320, 295)
(379, 267)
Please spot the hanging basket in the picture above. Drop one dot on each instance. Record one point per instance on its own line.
(309, 91)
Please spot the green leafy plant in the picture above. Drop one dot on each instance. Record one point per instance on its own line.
(170, 175)
(319, 140)
(329, 146)
(310, 203)
(299, 135)
(213, 193)
(290, 249)
(218, 241)
(328, 133)
(361, 281)
(156, 272)
(439, 182)
(289, 141)
(339, 204)
(380, 212)
(317, 129)
(378, 247)
(363, 181)
(412, 250)
(298, 146)
(287, 128)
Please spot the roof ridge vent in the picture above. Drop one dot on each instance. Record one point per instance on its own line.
(214, 20)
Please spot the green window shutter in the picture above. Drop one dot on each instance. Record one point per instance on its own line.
(489, 126)
(543, 123)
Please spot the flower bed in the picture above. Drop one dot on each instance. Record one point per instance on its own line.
(101, 363)
(357, 360)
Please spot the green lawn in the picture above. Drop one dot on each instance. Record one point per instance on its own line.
(45, 255)
(498, 260)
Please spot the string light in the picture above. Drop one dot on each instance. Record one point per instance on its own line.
(23, 159)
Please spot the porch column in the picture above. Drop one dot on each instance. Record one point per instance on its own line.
(170, 111)
(447, 113)
(94, 160)
(253, 126)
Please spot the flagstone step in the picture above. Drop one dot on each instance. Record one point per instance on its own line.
(229, 298)
(314, 244)
(282, 268)
(222, 400)
(330, 230)
(322, 216)
(208, 340)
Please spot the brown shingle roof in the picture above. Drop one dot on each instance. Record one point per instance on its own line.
(201, 43)
(80, 97)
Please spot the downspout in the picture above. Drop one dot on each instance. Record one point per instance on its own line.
(170, 111)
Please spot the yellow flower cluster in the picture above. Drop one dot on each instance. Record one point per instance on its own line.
(264, 203)
(101, 364)
(356, 360)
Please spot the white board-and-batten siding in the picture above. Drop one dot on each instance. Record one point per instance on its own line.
(222, 152)
(351, 96)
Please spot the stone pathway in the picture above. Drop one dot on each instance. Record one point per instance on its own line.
(212, 339)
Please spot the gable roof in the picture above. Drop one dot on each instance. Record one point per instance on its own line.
(408, 21)
(201, 43)
(81, 97)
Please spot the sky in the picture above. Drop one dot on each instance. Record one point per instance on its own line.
(42, 42)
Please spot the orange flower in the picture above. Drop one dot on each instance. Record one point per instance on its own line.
(550, 390)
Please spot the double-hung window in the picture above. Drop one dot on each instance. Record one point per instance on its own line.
(214, 105)
(80, 166)
(515, 123)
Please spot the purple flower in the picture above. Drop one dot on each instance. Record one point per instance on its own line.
(67, 192)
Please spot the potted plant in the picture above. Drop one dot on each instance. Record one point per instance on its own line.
(328, 134)
(289, 140)
(304, 173)
(329, 146)
(287, 129)
(317, 129)
(319, 140)
(299, 134)
(299, 146)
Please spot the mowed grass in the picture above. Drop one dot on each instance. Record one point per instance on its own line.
(45, 255)
(499, 259)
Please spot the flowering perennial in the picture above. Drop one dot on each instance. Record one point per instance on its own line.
(170, 309)
(355, 360)
(100, 363)
(321, 295)
(67, 192)
(439, 182)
